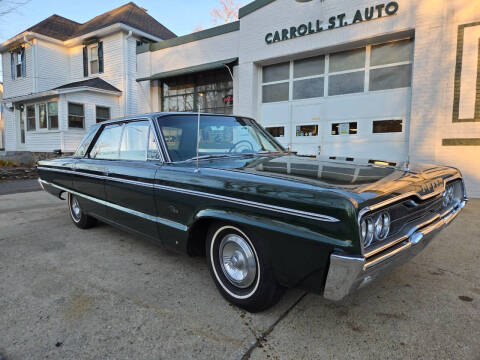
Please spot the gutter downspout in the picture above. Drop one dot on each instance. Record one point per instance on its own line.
(34, 63)
(126, 75)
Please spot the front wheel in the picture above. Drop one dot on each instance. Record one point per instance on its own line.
(239, 268)
(79, 218)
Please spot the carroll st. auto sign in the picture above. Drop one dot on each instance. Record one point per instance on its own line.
(337, 21)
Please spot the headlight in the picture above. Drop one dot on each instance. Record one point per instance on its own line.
(366, 231)
(453, 194)
(374, 227)
(382, 226)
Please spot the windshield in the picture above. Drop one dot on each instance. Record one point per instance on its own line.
(219, 136)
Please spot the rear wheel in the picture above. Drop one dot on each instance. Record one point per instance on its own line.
(239, 268)
(79, 218)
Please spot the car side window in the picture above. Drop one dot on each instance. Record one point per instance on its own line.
(107, 145)
(153, 149)
(135, 141)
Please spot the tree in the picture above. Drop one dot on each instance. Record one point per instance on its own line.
(9, 6)
(226, 12)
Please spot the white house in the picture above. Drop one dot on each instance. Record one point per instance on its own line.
(393, 80)
(61, 76)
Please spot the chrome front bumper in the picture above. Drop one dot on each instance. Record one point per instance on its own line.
(347, 274)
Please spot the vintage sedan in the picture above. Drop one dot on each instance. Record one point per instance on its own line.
(265, 218)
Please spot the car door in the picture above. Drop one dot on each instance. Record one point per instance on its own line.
(130, 181)
(90, 171)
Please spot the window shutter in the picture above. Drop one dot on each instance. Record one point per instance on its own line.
(85, 61)
(24, 63)
(100, 56)
(12, 65)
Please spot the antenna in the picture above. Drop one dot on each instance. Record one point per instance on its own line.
(200, 94)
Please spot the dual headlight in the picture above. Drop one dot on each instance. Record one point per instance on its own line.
(375, 227)
(453, 194)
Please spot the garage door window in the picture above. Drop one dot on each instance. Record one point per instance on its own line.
(276, 131)
(387, 126)
(348, 128)
(307, 130)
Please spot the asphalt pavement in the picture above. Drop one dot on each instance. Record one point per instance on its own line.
(67, 293)
(19, 186)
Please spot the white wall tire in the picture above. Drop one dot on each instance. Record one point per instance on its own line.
(251, 287)
(79, 218)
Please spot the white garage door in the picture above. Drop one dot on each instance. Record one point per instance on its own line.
(350, 104)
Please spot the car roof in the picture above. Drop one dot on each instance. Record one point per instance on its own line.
(160, 114)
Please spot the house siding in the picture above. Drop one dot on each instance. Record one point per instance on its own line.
(52, 65)
(19, 86)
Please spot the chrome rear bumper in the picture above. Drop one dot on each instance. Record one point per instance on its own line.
(349, 273)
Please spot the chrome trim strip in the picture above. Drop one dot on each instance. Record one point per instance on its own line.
(280, 209)
(156, 219)
(386, 256)
(305, 214)
(386, 246)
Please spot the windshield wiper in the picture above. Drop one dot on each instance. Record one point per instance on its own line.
(211, 156)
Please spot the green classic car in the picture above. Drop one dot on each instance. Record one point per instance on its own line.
(265, 218)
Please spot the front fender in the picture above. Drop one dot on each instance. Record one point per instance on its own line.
(298, 254)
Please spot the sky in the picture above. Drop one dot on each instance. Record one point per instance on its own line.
(180, 16)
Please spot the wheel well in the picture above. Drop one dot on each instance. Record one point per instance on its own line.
(198, 236)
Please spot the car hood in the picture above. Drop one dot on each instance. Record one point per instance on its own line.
(358, 180)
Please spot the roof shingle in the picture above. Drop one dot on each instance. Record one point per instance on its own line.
(97, 83)
(129, 14)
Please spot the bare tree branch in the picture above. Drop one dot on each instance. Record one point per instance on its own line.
(227, 12)
(9, 6)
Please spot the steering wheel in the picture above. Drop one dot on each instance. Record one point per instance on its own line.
(249, 144)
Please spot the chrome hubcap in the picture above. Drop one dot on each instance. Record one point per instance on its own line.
(237, 260)
(76, 211)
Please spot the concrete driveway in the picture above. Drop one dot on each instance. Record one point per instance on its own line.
(105, 294)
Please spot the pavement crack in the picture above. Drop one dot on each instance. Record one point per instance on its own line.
(263, 336)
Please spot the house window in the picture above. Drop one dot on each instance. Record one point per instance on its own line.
(18, 64)
(387, 126)
(102, 113)
(42, 116)
(53, 115)
(22, 125)
(76, 116)
(277, 131)
(307, 130)
(344, 128)
(94, 60)
(209, 91)
(31, 126)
